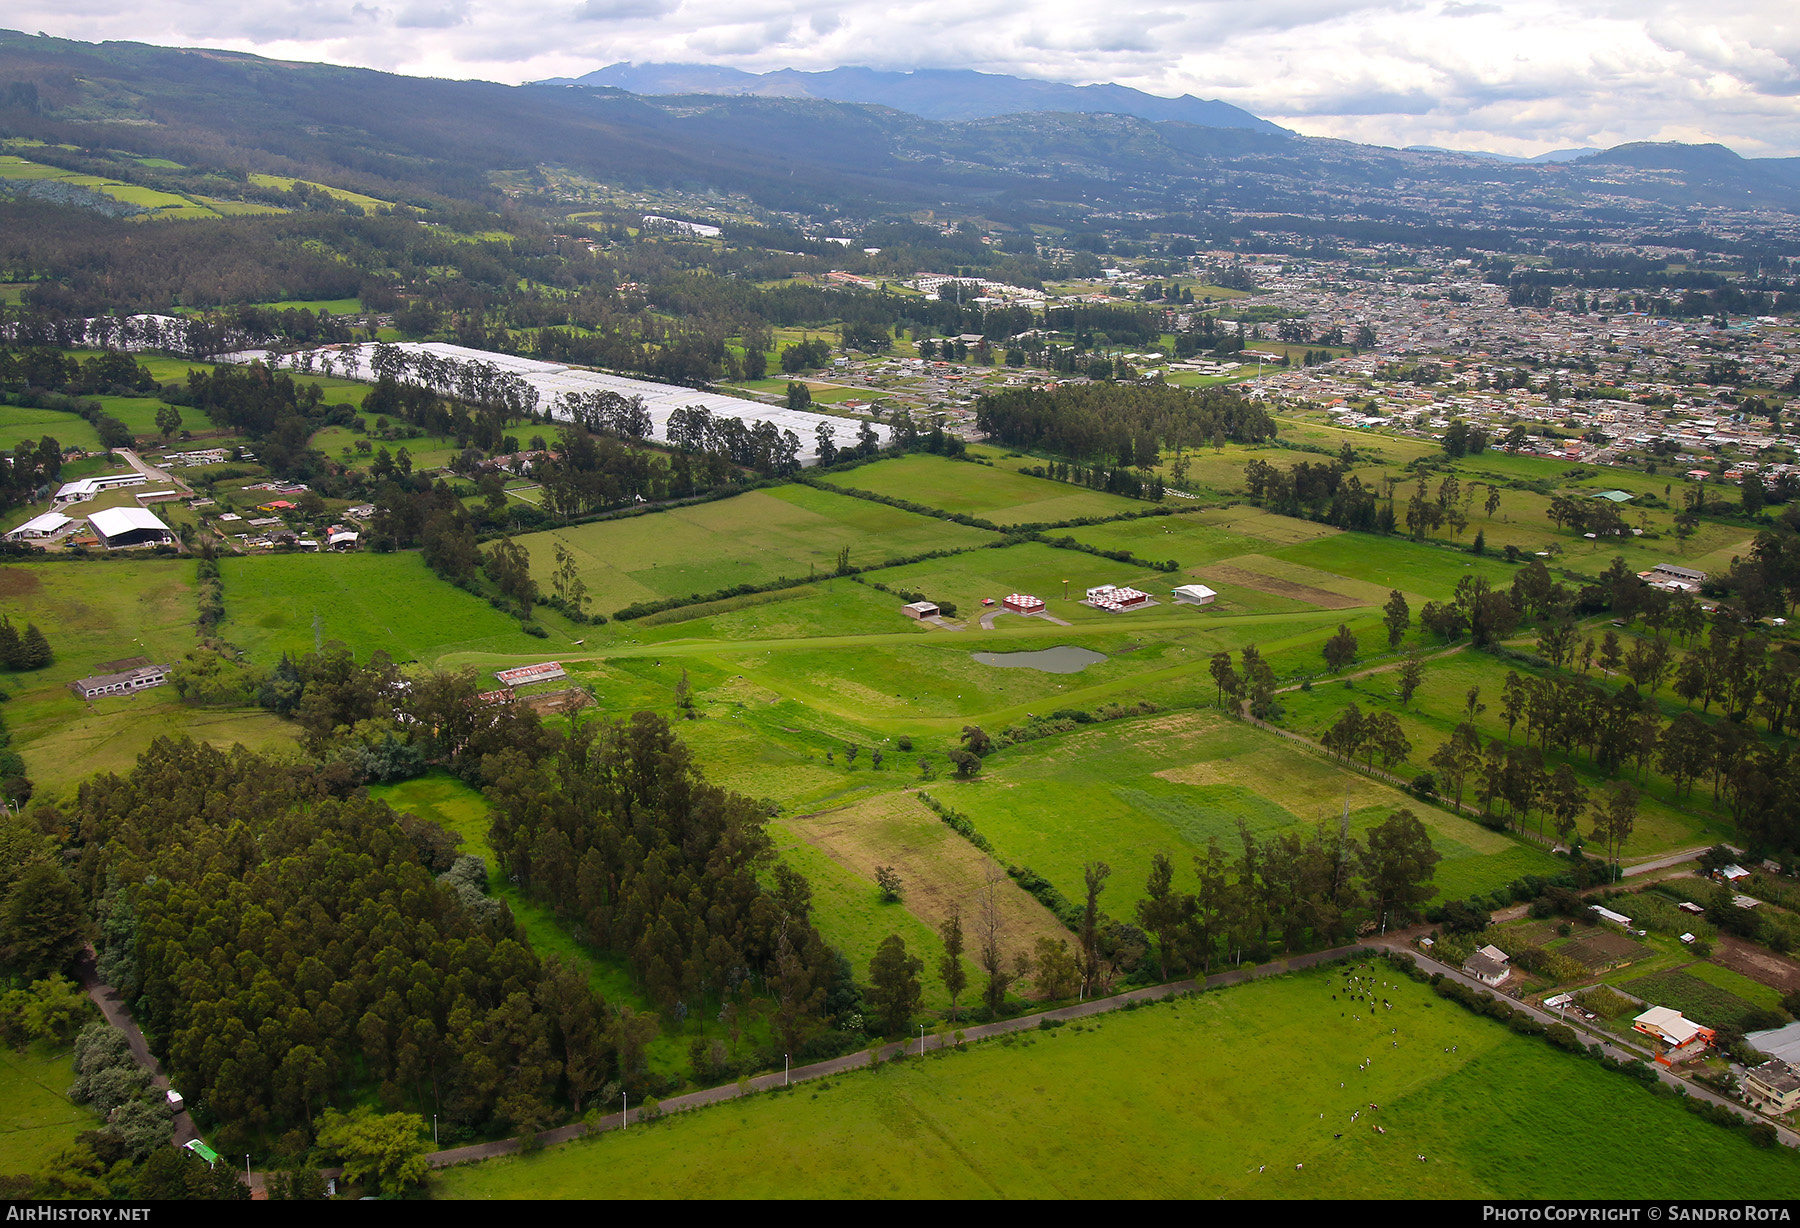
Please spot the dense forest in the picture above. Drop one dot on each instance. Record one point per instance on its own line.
(1119, 425)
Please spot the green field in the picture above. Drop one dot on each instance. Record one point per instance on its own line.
(1000, 495)
(37, 1119)
(92, 613)
(791, 531)
(1234, 1094)
(163, 204)
(1123, 792)
(369, 601)
(19, 424)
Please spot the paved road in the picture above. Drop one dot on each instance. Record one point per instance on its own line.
(1671, 859)
(151, 471)
(113, 1007)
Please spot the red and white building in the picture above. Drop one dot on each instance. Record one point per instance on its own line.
(525, 675)
(1116, 598)
(1684, 1037)
(1022, 603)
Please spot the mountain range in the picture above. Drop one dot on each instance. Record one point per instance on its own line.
(417, 140)
(930, 93)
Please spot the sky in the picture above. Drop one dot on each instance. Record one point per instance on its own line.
(1520, 77)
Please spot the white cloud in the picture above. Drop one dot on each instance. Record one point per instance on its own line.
(1519, 77)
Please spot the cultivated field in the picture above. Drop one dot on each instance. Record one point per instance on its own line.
(1065, 1114)
(369, 601)
(1000, 495)
(1124, 791)
(791, 531)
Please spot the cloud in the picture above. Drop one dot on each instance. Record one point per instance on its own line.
(1522, 76)
(621, 10)
(432, 16)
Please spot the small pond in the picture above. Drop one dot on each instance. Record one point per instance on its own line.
(1063, 659)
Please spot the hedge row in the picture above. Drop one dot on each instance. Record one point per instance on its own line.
(1041, 888)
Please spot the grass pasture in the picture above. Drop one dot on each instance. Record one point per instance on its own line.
(1065, 1114)
(941, 873)
(751, 538)
(1003, 496)
(369, 601)
(37, 1119)
(1124, 791)
(93, 613)
(20, 424)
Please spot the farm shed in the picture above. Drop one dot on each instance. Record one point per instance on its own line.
(126, 683)
(47, 525)
(525, 675)
(1607, 914)
(118, 527)
(86, 488)
(1195, 594)
(920, 609)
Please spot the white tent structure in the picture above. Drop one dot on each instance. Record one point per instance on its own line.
(551, 380)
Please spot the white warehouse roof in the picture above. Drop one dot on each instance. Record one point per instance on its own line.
(552, 379)
(40, 526)
(117, 521)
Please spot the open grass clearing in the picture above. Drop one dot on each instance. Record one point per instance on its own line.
(1003, 496)
(1124, 791)
(99, 611)
(20, 424)
(290, 603)
(1065, 1114)
(753, 538)
(37, 1118)
(941, 871)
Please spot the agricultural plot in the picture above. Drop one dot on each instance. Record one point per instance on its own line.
(1692, 996)
(93, 613)
(37, 1119)
(163, 204)
(940, 871)
(791, 531)
(1003, 496)
(1122, 792)
(290, 603)
(1244, 1123)
(1421, 571)
(20, 425)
